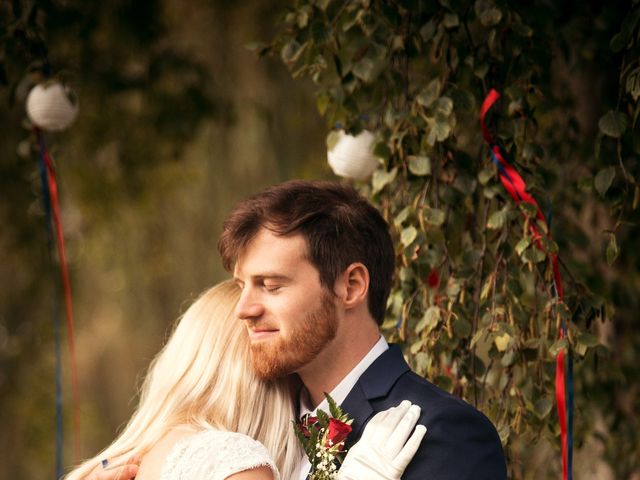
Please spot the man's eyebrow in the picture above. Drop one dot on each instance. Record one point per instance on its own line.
(271, 276)
(264, 276)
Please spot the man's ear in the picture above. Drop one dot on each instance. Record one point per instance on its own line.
(352, 287)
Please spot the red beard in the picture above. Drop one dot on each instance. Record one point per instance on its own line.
(284, 356)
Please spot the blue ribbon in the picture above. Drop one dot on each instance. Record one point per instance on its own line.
(46, 200)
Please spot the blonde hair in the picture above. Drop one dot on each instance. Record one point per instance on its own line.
(203, 378)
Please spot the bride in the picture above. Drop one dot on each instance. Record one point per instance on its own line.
(204, 415)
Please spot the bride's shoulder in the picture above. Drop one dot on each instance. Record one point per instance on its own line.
(213, 455)
(154, 459)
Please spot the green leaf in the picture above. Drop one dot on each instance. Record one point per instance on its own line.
(522, 245)
(381, 178)
(334, 409)
(323, 100)
(429, 320)
(462, 327)
(323, 418)
(368, 69)
(533, 254)
(522, 30)
(453, 287)
(488, 14)
(291, 52)
(402, 216)
(604, 179)
(560, 344)
(419, 165)
(450, 20)
(543, 407)
(444, 106)
(585, 341)
(428, 30)
(549, 245)
(618, 42)
(429, 94)
(417, 346)
(622, 38)
(613, 123)
(408, 235)
(480, 333)
(434, 216)
(481, 70)
(486, 288)
(502, 341)
(632, 84)
(381, 150)
(439, 130)
(485, 175)
(434, 236)
(370, 66)
(259, 48)
(612, 250)
(497, 219)
(463, 99)
(422, 362)
(528, 209)
(509, 358)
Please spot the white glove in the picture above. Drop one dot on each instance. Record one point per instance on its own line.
(383, 452)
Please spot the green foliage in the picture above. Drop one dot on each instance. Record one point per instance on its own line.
(415, 73)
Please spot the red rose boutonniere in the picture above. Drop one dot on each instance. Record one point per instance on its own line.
(322, 438)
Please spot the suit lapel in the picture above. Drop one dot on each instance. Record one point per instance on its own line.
(358, 407)
(375, 382)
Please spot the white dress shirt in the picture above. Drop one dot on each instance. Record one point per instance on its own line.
(339, 393)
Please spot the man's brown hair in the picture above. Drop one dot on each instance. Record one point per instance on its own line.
(339, 226)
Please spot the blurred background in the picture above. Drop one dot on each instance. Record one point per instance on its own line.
(178, 121)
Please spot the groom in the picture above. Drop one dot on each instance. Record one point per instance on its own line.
(315, 263)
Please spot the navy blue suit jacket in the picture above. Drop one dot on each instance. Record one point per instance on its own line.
(461, 443)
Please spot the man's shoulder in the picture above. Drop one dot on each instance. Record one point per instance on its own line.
(434, 401)
(455, 429)
(390, 380)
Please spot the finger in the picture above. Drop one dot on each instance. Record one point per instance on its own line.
(395, 414)
(402, 430)
(123, 472)
(410, 448)
(372, 433)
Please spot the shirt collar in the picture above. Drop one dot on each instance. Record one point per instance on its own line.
(340, 392)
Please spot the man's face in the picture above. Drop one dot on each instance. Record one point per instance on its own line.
(289, 315)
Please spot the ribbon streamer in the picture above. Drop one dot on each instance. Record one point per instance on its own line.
(54, 220)
(517, 189)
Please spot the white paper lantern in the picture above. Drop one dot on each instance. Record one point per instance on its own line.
(352, 157)
(51, 106)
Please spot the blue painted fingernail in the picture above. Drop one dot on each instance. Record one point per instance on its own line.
(104, 463)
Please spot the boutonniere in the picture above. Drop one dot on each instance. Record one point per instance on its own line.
(322, 438)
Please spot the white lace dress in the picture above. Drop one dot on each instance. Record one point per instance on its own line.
(215, 455)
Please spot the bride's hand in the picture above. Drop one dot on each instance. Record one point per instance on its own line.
(115, 470)
(386, 446)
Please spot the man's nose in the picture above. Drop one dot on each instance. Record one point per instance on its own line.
(248, 307)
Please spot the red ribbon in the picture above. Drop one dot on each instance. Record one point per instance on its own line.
(517, 189)
(64, 271)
